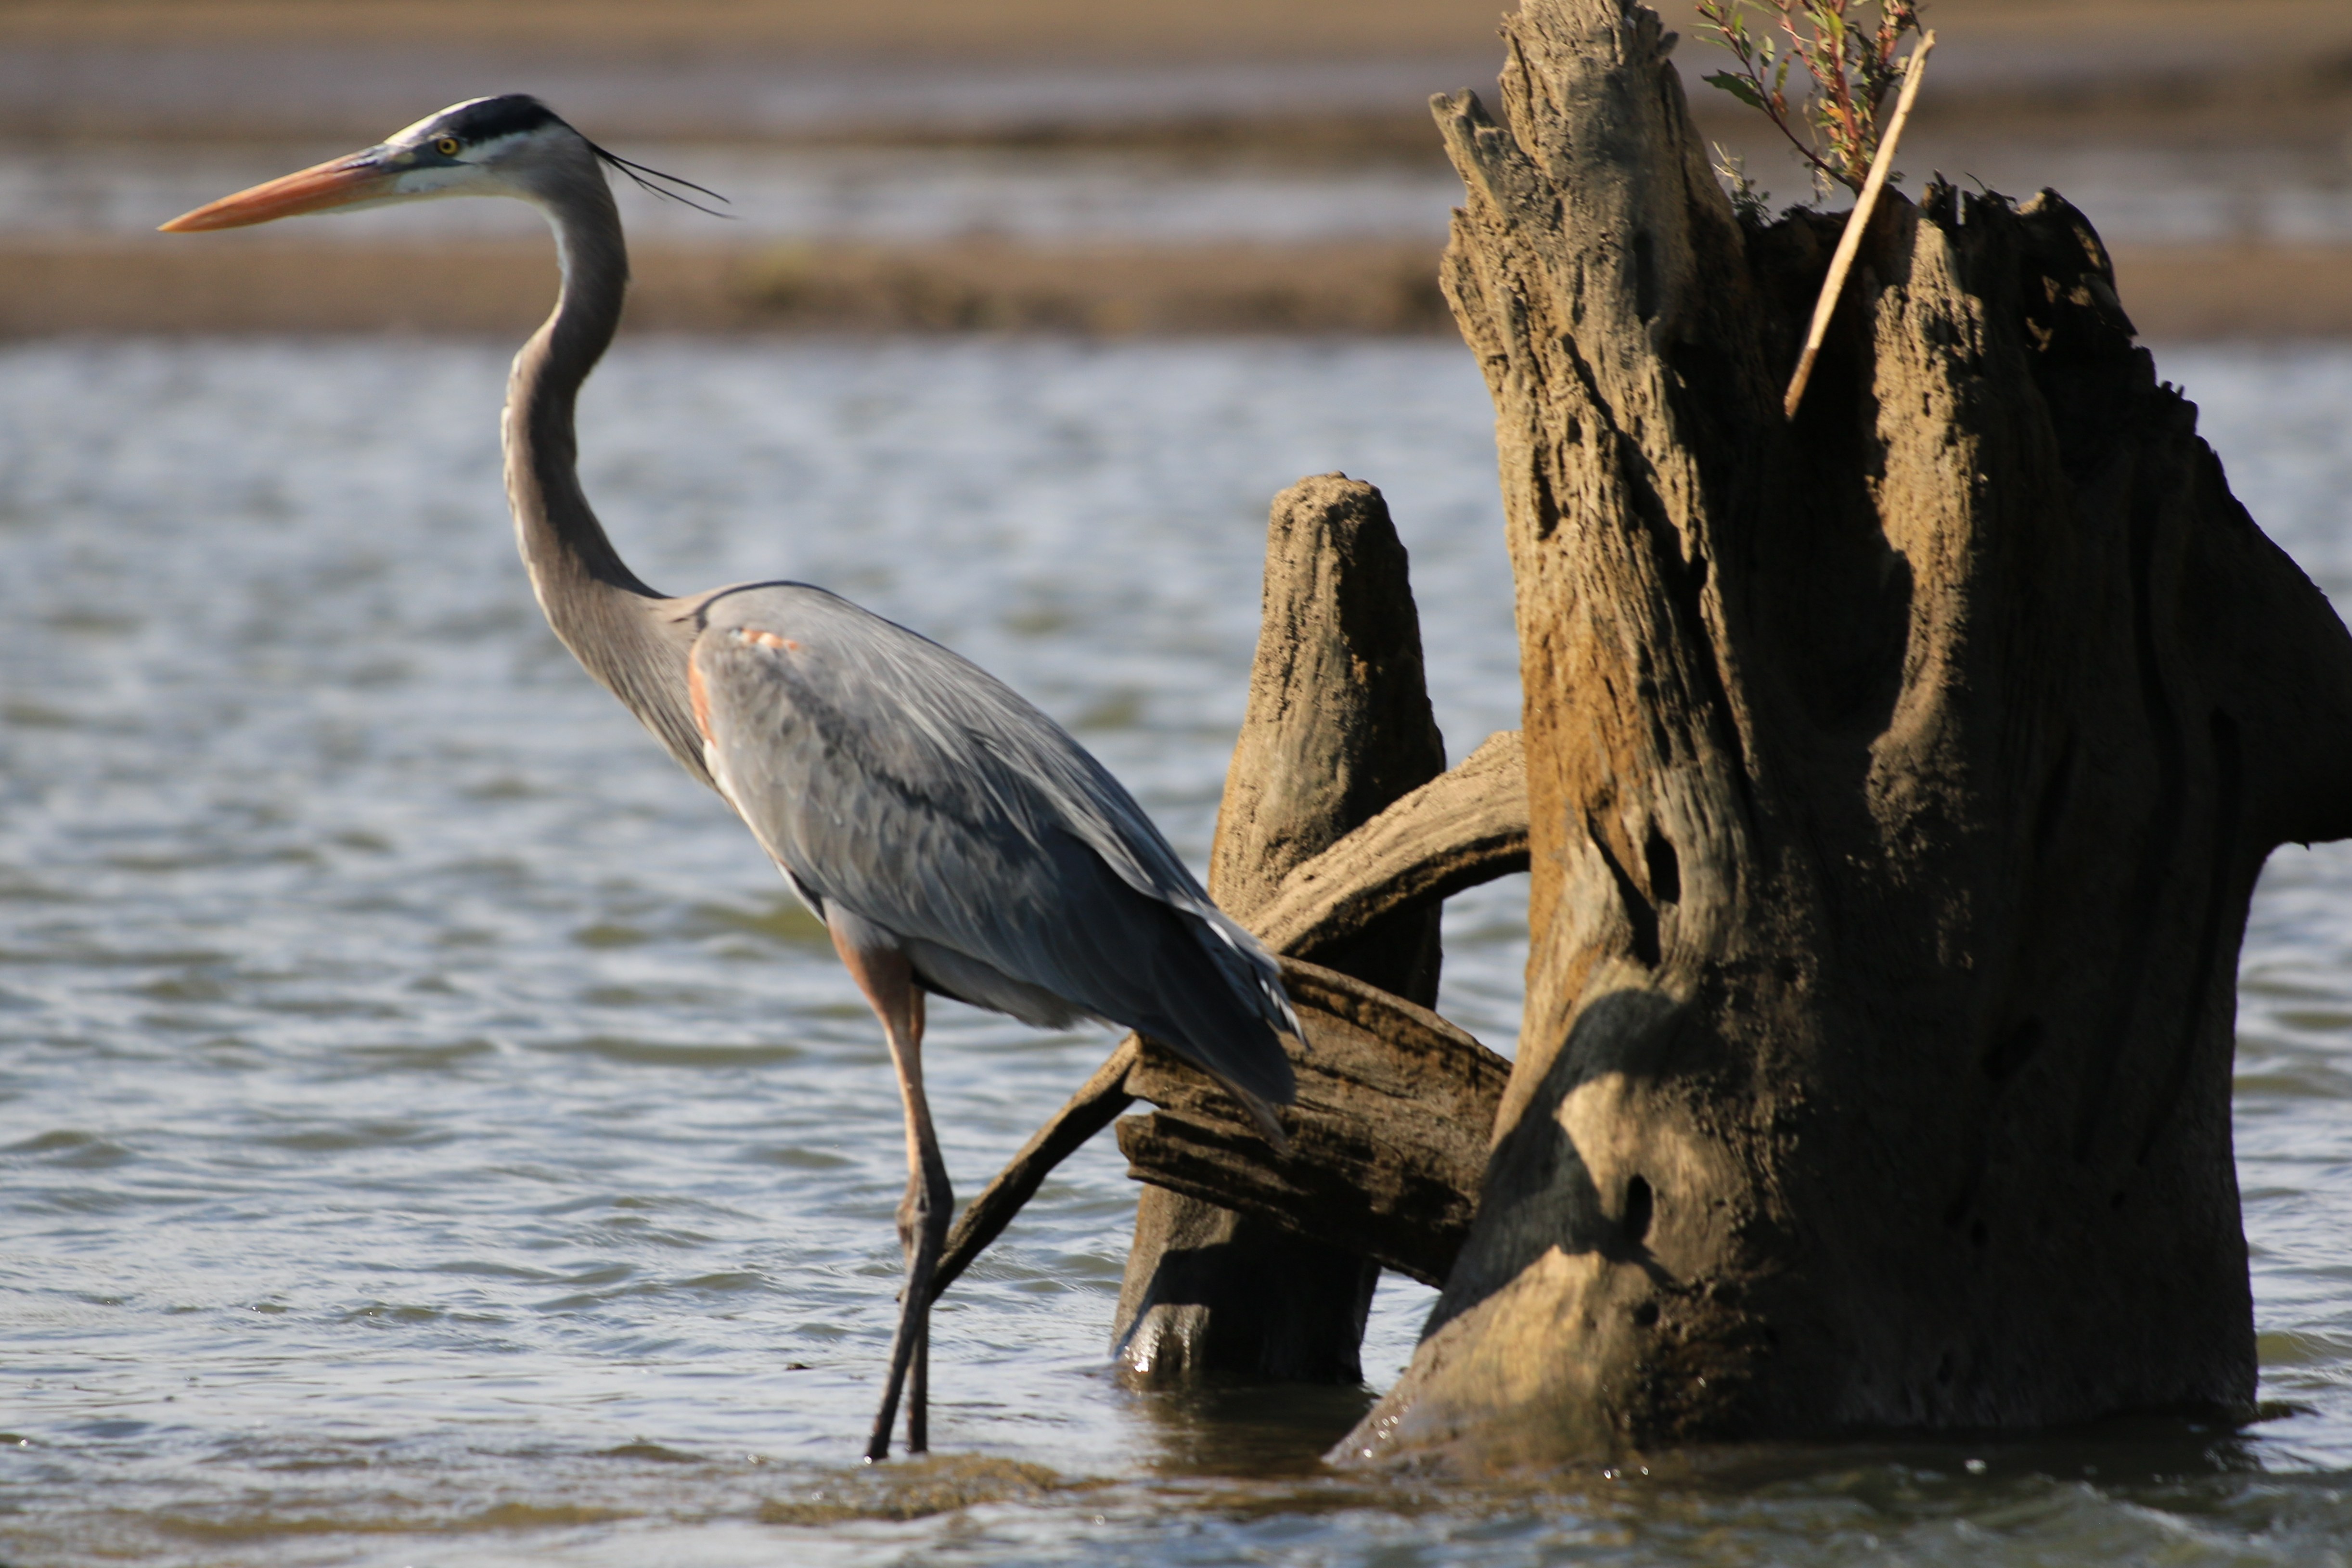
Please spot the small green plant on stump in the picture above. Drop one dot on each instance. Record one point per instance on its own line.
(1854, 66)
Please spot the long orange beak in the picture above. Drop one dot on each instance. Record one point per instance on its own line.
(337, 182)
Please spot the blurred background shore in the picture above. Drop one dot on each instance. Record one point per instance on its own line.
(1107, 168)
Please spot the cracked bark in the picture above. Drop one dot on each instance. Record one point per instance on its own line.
(1896, 782)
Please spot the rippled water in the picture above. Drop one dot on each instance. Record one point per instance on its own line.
(861, 192)
(430, 1135)
(2143, 191)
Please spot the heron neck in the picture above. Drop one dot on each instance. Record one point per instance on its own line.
(622, 630)
(562, 544)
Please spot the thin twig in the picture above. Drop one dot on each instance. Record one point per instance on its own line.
(1775, 102)
(1810, 156)
(1856, 223)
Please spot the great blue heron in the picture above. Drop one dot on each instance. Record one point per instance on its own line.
(952, 839)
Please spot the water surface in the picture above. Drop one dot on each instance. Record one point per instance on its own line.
(2146, 192)
(431, 1134)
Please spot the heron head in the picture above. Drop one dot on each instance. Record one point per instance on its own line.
(512, 145)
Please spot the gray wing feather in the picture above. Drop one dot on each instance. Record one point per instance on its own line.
(887, 775)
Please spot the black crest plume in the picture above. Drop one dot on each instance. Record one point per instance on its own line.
(659, 184)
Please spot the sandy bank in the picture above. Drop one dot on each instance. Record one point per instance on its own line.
(1342, 287)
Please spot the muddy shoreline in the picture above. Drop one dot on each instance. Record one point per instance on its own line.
(1226, 87)
(1375, 286)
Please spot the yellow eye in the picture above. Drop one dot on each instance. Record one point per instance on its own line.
(446, 146)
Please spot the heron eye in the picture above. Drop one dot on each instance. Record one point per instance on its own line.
(446, 146)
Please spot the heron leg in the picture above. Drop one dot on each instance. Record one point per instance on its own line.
(882, 972)
(918, 1387)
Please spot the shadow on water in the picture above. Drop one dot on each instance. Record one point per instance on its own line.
(2124, 1454)
(1248, 1431)
(1277, 1434)
(2139, 1489)
(2121, 1487)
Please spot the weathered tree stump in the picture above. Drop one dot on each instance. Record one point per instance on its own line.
(1896, 784)
(1339, 727)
